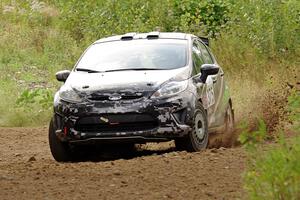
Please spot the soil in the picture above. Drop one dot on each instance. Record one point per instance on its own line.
(154, 171)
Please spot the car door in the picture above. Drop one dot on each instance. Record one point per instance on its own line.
(218, 87)
(201, 88)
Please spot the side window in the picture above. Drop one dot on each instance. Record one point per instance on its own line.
(197, 60)
(205, 54)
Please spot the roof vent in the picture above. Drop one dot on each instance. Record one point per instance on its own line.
(128, 36)
(153, 35)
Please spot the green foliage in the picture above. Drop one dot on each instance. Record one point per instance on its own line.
(90, 20)
(250, 38)
(272, 26)
(294, 108)
(250, 139)
(33, 98)
(29, 36)
(33, 48)
(95, 19)
(201, 17)
(275, 174)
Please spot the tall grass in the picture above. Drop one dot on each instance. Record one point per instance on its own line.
(256, 42)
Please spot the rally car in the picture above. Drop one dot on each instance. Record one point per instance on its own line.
(138, 88)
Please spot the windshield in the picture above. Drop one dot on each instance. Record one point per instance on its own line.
(135, 54)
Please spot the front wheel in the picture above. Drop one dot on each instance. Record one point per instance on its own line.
(60, 151)
(197, 139)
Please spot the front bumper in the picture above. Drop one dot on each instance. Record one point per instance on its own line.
(139, 120)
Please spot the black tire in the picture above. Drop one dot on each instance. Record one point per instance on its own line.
(197, 139)
(60, 151)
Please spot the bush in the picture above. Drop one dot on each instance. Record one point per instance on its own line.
(275, 174)
(272, 26)
(90, 20)
(274, 171)
(201, 17)
(33, 98)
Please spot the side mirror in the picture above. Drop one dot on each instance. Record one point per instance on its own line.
(62, 75)
(208, 69)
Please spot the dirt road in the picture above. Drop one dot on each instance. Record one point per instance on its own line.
(27, 171)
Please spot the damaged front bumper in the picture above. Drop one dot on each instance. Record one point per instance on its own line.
(141, 120)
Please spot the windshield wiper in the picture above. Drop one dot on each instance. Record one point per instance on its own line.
(87, 70)
(128, 69)
(114, 70)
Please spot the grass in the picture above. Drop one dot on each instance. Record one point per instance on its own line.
(259, 85)
(33, 48)
(38, 39)
(274, 172)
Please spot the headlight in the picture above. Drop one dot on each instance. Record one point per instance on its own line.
(68, 94)
(170, 89)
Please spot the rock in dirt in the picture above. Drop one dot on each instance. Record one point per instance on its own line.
(209, 194)
(117, 173)
(214, 150)
(32, 159)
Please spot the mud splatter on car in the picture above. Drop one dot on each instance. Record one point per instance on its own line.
(138, 88)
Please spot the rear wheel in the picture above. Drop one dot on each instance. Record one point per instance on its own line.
(197, 139)
(61, 151)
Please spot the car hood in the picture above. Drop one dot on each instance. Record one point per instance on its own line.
(145, 80)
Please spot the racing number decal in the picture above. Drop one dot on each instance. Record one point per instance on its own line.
(209, 95)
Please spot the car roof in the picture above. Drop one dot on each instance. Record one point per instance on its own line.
(150, 35)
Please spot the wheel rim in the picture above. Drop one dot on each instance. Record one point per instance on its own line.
(200, 128)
